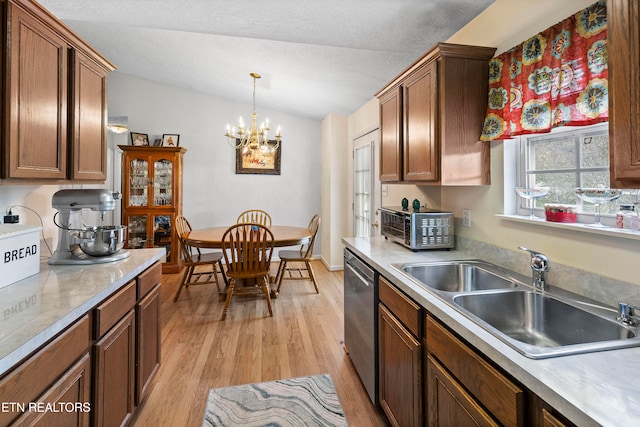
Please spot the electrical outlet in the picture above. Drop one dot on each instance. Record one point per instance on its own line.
(466, 217)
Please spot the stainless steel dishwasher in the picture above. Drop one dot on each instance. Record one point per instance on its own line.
(361, 320)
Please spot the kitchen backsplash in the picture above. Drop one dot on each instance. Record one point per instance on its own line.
(600, 288)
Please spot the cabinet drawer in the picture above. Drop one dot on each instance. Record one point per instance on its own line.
(497, 393)
(148, 279)
(407, 311)
(114, 308)
(33, 377)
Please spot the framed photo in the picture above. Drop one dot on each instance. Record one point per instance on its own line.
(157, 142)
(170, 140)
(249, 161)
(139, 138)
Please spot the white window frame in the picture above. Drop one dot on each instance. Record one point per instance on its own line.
(512, 200)
(522, 174)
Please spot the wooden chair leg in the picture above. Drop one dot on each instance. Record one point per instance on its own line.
(224, 275)
(228, 300)
(185, 277)
(215, 279)
(312, 276)
(267, 294)
(281, 269)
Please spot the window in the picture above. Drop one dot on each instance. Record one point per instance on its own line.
(564, 160)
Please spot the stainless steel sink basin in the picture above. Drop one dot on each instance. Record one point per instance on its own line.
(539, 325)
(458, 276)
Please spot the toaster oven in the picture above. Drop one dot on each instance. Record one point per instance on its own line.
(424, 229)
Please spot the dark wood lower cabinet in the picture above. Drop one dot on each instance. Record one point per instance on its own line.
(399, 357)
(550, 420)
(69, 397)
(114, 370)
(448, 403)
(98, 370)
(148, 341)
(400, 372)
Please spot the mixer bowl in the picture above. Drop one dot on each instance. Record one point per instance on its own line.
(108, 240)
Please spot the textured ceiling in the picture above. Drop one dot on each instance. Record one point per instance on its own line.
(315, 57)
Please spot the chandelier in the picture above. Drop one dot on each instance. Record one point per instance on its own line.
(254, 137)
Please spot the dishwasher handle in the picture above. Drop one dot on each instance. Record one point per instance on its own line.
(365, 272)
(366, 281)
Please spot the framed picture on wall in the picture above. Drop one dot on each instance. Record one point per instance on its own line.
(139, 138)
(170, 140)
(258, 161)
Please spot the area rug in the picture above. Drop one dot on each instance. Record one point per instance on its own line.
(305, 401)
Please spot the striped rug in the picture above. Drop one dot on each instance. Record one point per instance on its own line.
(305, 401)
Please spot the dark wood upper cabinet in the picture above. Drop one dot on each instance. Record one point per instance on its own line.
(88, 118)
(54, 100)
(623, 44)
(391, 136)
(35, 120)
(431, 117)
(420, 157)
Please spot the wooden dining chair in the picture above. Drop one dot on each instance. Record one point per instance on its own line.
(302, 269)
(247, 250)
(254, 216)
(200, 268)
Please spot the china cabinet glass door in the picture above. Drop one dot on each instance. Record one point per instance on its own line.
(162, 225)
(137, 230)
(162, 182)
(138, 182)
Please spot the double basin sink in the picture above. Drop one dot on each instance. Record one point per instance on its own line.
(537, 324)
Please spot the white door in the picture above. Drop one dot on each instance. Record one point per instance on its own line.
(366, 185)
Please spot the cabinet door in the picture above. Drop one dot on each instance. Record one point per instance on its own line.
(163, 182)
(148, 341)
(623, 22)
(400, 358)
(136, 181)
(420, 147)
(391, 136)
(114, 374)
(88, 125)
(35, 141)
(137, 231)
(163, 235)
(73, 390)
(449, 404)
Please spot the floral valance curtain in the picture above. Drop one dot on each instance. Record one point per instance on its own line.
(556, 78)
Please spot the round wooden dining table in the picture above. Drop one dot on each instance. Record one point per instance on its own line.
(283, 235)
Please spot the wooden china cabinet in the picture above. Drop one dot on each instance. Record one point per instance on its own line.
(152, 198)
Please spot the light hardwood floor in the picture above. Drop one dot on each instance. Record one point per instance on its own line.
(200, 352)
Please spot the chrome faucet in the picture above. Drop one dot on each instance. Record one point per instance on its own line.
(627, 314)
(539, 266)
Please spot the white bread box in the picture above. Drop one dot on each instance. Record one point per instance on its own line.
(19, 252)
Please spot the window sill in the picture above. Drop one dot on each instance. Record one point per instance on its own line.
(578, 227)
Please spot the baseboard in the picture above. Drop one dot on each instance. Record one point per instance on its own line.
(331, 267)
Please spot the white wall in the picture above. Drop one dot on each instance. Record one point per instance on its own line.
(335, 208)
(213, 195)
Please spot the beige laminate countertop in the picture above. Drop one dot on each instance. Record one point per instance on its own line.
(592, 389)
(34, 310)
